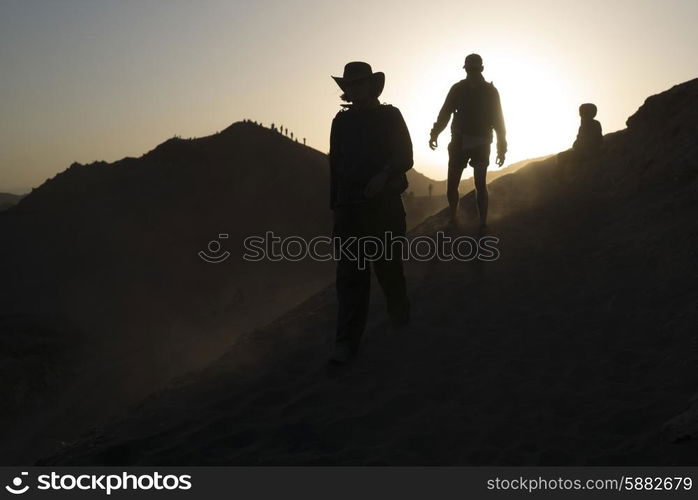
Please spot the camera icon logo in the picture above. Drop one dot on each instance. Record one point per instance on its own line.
(16, 487)
(213, 254)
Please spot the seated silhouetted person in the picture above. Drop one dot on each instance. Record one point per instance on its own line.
(589, 137)
(588, 142)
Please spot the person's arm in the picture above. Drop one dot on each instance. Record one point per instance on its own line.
(401, 159)
(334, 160)
(498, 125)
(444, 117)
(399, 155)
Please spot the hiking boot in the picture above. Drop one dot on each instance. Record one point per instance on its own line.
(343, 353)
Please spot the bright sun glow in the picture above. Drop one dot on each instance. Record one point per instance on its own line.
(540, 110)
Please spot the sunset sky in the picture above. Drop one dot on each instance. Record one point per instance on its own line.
(99, 80)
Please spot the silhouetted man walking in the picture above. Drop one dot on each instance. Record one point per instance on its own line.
(477, 110)
(370, 151)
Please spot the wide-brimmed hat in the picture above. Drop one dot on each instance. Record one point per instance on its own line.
(358, 70)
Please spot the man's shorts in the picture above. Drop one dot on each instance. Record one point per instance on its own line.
(458, 158)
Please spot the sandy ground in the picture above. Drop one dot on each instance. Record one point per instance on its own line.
(558, 353)
(577, 346)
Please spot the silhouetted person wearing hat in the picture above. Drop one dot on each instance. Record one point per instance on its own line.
(477, 110)
(370, 151)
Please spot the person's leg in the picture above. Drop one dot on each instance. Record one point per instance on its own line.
(480, 161)
(481, 194)
(353, 287)
(389, 269)
(456, 164)
(353, 291)
(391, 277)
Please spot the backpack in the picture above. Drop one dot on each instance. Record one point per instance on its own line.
(475, 109)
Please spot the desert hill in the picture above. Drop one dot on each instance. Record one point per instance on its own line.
(419, 205)
(419, 183)
(105, 294)
(577, 346)
(8, 199)
(108, 297)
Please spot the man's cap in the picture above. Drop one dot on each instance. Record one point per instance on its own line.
(473, 61)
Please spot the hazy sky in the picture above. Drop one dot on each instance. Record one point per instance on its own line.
(99, 80)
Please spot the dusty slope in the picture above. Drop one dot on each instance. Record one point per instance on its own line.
(101, 262)
(419, 205)
(574, 347)
(105, 297)
(419, 183)
(8, 199)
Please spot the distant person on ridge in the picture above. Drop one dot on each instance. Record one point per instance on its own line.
(589, 136)
(477, 110)
(587, 145)
(370, 151)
